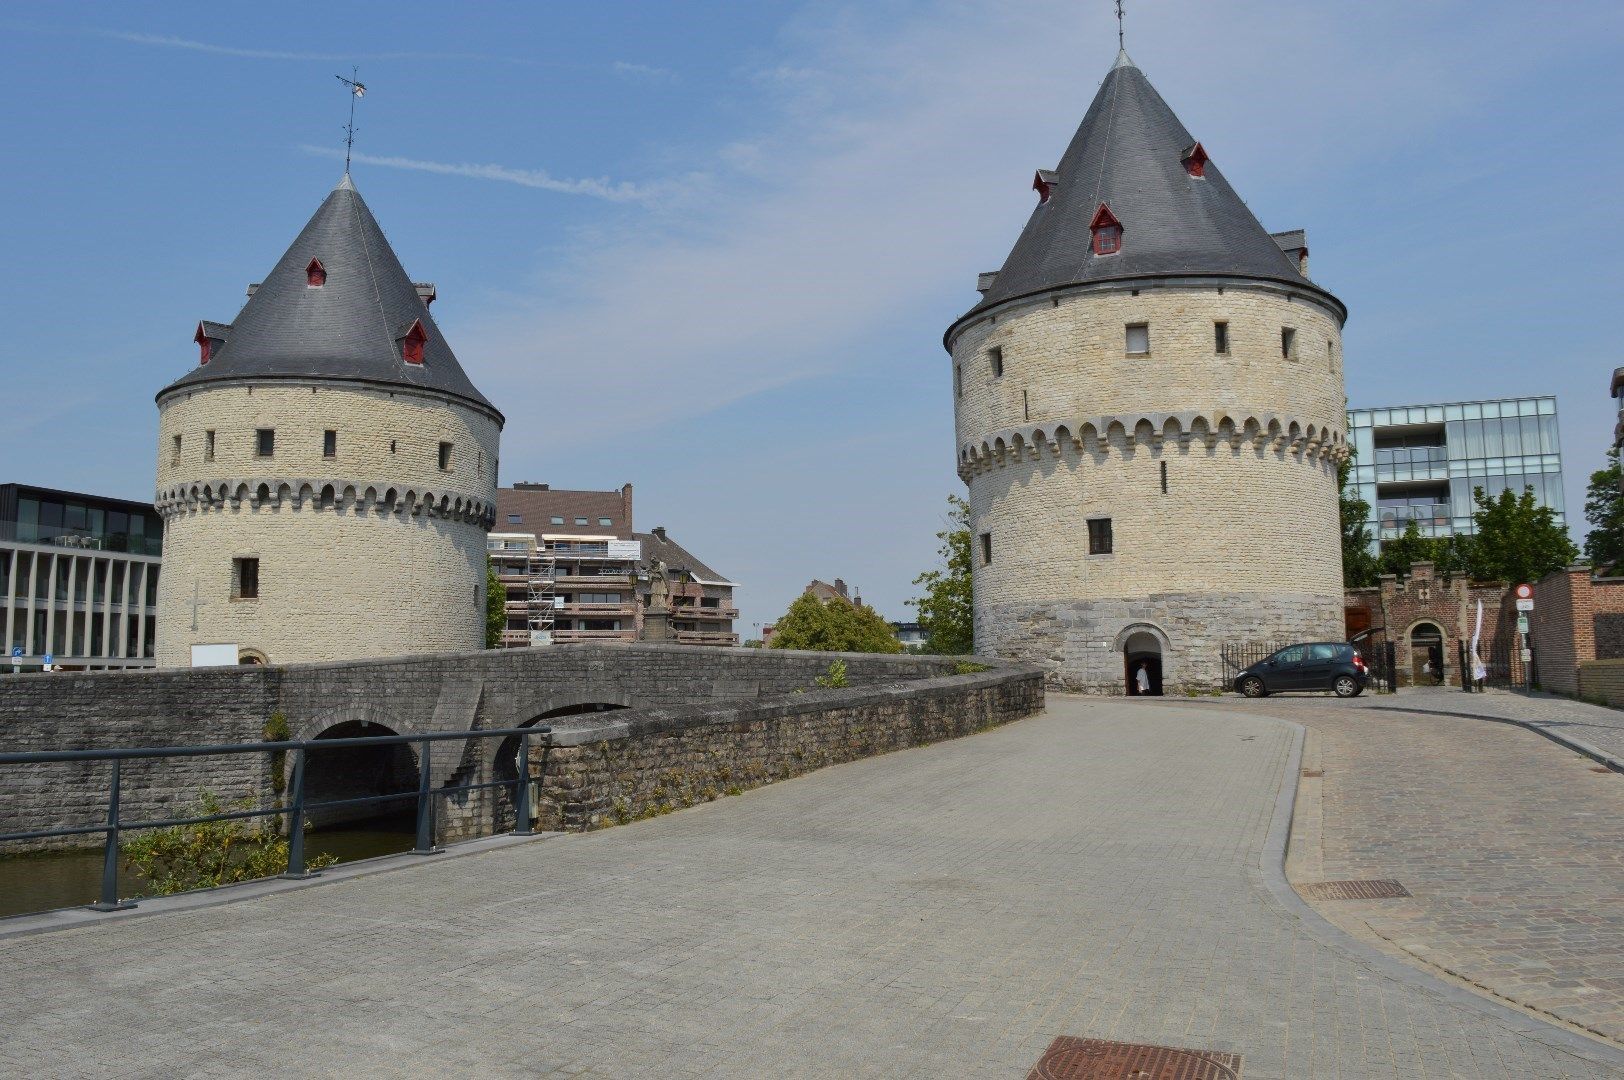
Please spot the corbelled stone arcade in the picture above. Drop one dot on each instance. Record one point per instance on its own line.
(1149, 414)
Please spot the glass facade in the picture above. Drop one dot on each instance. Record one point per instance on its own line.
(1422, 462)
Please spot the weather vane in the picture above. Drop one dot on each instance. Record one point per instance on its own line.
(358, 90)
(1119, 25)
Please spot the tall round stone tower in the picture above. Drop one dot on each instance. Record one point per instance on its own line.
(1149, 412)
(327, 473)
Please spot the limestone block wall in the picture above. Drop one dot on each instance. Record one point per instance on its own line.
(371, 551)
(645, 763)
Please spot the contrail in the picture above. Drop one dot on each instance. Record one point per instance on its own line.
(534, 178)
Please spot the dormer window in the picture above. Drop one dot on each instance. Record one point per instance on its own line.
(1195, 160)
(205, 345)
(411, 346)
(315, 274)
(1107, 231)
(1044, 184)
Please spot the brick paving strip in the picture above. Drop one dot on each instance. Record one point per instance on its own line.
(1595, 731)
(1108, 870)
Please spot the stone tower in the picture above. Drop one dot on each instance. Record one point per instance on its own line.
(1149, 412)
(327, 473)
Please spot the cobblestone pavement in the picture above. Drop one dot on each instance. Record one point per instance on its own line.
(1100, 871)
(1596, 725)
(1512, 845)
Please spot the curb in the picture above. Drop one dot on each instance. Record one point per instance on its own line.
(1578, 746)
(1272, 864)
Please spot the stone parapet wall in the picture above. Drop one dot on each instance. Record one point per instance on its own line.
(650, 762)
(403, 695)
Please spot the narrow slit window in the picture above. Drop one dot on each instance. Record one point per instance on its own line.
(175, 458)
(958, 381)
(265, 442)
(1288, 343)
(1138, 339)
(445, 457)
(1099, 536)
(244, 579)
(1164, 478)
(986, 549)
(1026, 406)
(208, 445)
(1220, 338)
(329, 444)
(995, 357)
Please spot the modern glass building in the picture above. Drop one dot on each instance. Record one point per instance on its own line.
(1421, 462)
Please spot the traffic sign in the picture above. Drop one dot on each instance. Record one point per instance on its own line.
(1522, 624)
(16, 652)
(1525, 605)
(1525, 592)
(48, 659)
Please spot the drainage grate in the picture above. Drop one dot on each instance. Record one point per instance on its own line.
(1313, 772)
(1095, 1059)
(1353, 890)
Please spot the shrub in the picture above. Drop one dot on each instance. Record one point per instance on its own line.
(186, 857)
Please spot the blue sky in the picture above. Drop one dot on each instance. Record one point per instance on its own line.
(727, 237)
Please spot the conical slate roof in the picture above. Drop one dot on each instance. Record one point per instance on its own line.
(1128, 154)
(348, 329)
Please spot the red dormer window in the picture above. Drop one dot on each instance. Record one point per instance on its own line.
(204, 345)
(1195, 161)
(1107, 231)
(411, 346)
(1043, 182)
(315, 274)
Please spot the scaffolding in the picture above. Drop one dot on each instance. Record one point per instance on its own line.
(542, 573)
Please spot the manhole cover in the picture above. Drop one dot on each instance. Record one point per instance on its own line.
(1095, 1059)
(1313, 772)
(1353, 890)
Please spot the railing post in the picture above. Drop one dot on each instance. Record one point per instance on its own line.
(109, 887)
(425, 804)
(521, 797)
(296, 852)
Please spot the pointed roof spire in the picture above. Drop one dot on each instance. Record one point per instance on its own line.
(1129, 153)
(348, 326)
(1123, 60)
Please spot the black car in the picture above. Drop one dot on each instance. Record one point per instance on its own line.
(1317, 665)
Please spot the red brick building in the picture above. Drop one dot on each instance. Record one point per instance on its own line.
(1426, 616)
(1577, 617)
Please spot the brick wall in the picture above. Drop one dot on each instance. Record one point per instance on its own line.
(649, 762)
(1399, 607)
(1576, 620)
(442, 692)
(1603, 679)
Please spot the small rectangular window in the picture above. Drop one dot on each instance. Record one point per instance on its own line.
(986, 548)
(445, 456)
(995, 356)
(605, 521)
(558, 521)
(1220, 337)
(266, 442)
(1164, 478)
(1138, 339)
(1288, 343)
(329, 444)
(175, 459)
(1099, 536)
(208, 446)
(580, 521)
(515, 519)
(958, 381)
(244, 579)
(1330, 354)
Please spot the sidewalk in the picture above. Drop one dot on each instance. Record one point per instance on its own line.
(1594, 730)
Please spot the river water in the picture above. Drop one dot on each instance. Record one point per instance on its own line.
(58, 879)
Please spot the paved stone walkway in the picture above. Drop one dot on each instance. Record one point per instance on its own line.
(941, 912)
(1595, 725)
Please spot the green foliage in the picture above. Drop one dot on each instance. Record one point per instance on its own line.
(186, 857)
(969, 667)
(835, 677)
(1359, 563)
(1604, 510)
(1516, 539)
(835, 625)
(946, 611)
(495, 607)
(276, 730)
(1411, 547)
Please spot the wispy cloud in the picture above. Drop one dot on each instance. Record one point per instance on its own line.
(169, 42)
(622, 67)
(597, 188)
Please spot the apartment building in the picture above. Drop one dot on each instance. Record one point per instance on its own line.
(575, 569)
(1421, 462)
(78, 579)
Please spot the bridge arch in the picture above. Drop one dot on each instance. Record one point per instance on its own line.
(504, 764)
(352, 772)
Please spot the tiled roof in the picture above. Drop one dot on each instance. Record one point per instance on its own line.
(537, 506)
(676, 557)
(350, 327)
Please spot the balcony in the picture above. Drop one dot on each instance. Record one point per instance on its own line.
(703, 637)
(683, 611)
(563, 636)
(626, 608)
(601, 581)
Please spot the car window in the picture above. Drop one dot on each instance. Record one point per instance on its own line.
(1291, 655)
(1322, 652)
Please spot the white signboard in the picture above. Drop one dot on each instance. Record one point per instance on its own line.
(541, 637)
(1525, 605)
(1522, 624)
(625, 549)
(1528, 654)
(214, 656)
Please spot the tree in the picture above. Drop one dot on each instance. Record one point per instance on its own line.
(1410, 547)
(495, 607)
(1359, 563)
(1604, 510)
(1516, 539)
(946, 611)
(835, 625)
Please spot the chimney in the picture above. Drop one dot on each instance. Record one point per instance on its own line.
(626, 506)
(840, 587)
(659, 530)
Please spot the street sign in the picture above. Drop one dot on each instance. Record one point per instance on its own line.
(16, 659)
(1528, 654)
(1525, 605)
(1525, 592)
(16, 652)
(48, 659)
(1522, 624)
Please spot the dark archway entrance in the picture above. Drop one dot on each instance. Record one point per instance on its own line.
(351, 772)
(506, 765)
(1142, 650)
(1428, 664)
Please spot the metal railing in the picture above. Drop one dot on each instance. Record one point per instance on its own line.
(297, 809)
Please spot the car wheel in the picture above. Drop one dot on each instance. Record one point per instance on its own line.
(1253, 687)
(1346, 686)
